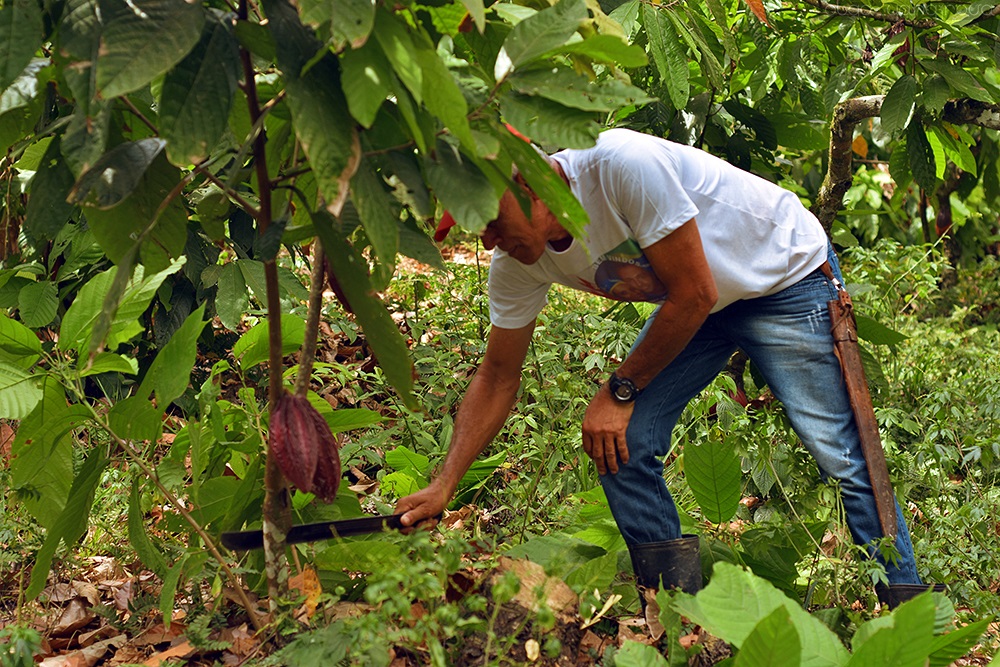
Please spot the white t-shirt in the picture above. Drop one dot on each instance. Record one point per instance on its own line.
(637, 189)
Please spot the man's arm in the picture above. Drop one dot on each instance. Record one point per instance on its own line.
(679, 262)
(481, 415)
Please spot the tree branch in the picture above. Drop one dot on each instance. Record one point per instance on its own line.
(864, 12)
(848, 114)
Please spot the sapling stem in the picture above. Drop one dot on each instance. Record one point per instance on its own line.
(308, 352)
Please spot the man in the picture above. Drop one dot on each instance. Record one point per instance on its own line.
(734, 262)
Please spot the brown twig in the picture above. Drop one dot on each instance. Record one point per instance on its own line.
(864, 12)
(308, 352)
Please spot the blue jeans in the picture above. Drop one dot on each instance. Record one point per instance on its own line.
(787, 335)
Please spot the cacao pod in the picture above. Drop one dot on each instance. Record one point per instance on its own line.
(304, 448)
(293, 441)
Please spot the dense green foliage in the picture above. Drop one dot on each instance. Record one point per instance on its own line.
(168, 163)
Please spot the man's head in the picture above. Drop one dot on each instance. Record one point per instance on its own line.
(522, 236)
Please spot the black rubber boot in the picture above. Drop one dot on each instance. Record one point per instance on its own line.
(675, 563)
(894, 595)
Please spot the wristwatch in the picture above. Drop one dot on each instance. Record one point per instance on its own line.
(623, 390)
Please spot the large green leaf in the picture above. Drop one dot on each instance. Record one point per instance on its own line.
(959, 79)
(37, 303)
(899, 103)
(547, 184)
(372, 201)
(231, 298)
(143, 39)
(441, 94)
(415, 244)
(397, 44)
(87, 136)
(548, 29)
(349, 419)
(905, 643)
(735, 601)
(116, 174)
(72, 522)
(367, 81)
(350, 21)
(609, 49)
(548, 122)
(946, 649)
(922, 162)
(146, 216)
(252, 347)
(19, 391)
(135, 418)
(634, 654)
(198, 93)
(668, 55)
(20, 36)
(48, 211)
(78, 323)
(876, 333)
(380, 329)
(563, 85)
(170, 372)
(712, 470)
(322, 122)
(774, 642)
(139, 538)
(42, 458)
(462, 188)
(19, 341)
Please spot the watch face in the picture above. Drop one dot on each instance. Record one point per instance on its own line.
(622, 389)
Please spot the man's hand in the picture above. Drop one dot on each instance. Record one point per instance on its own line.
(424, 506)
(604, 426)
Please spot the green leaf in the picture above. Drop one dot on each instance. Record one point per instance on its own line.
(634, 654)
(322, 123)
(548, 122)
(876, 333)
(922, 162)
(774, 642)
(135, 418)
(116, 174)
(19, 341)
(20, 36)
(19, 391)
(139, 539)
(72, 521)
(462, 188)
(43, 454)
(109, 362)
(252, 347)
(959, 79)
(609, 49)
(415, 244)
(350, 419)
(691, 34)
(170, 372)
(955, 148)
(899, 166)
(735, 601)
(215, 496)
(934, 94)
(721, 21)
(403, 457)
(378, 325)
(350, 21)
(546, 30)
(372, 201)
(142, 40)
(946, 649)
(548, 185)
(906, 643)
(198, 93)
(169, 591)
(231, 298)
(367, 80)
(87, 136)
(397, 44)
(899, 103)
(162, 232)
(712, 470)
(668, 55)
(603, 533)
(37, 303)
(755, 120)
(441, 93)
(565, 86)
(48, 211)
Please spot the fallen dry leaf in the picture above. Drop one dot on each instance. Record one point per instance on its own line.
(76, 615)
(59, 593)
(158, 634)
(241, 640)
(590, 648)
(181, 650)
(94, 636)
(85, 657)
(307, 584)
(559, 597)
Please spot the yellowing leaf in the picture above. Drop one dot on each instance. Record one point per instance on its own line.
(860, 146)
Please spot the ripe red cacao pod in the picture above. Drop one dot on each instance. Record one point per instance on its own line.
(293, 441)
(326, 481)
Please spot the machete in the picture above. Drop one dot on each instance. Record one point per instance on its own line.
(313, 532)
(845, 344)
